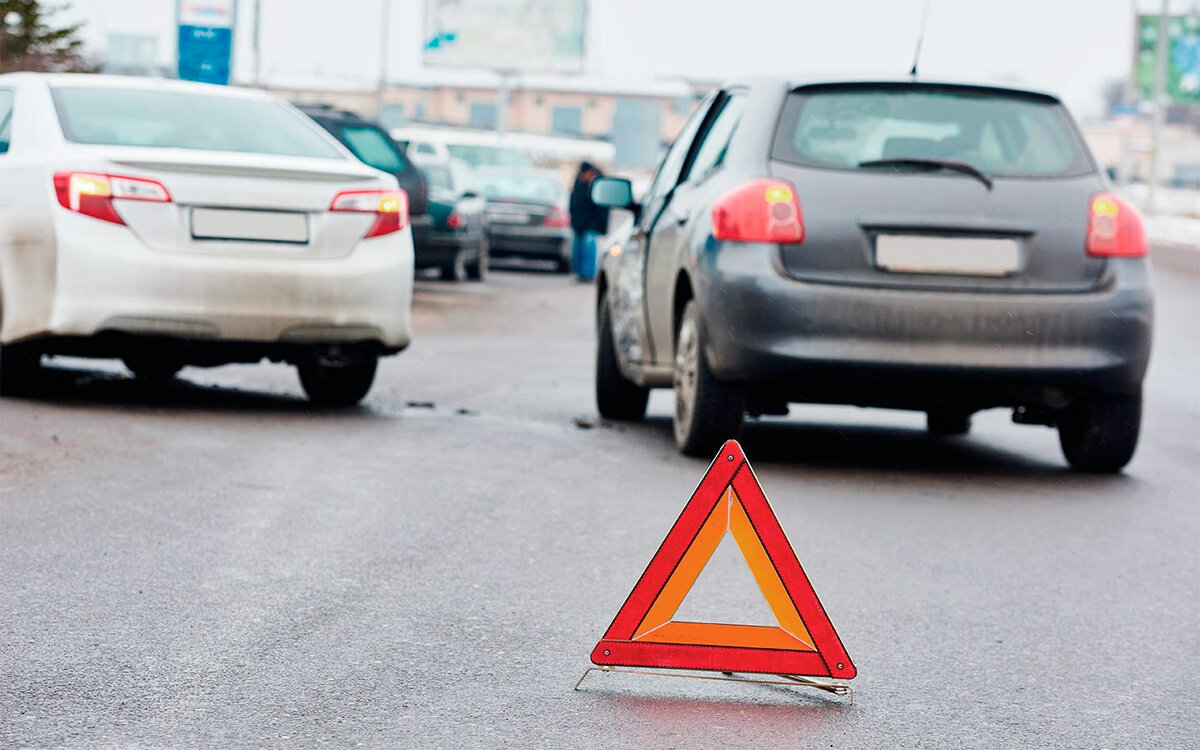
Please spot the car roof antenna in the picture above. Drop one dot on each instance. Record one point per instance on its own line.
(920, 38)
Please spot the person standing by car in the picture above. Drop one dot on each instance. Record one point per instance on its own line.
(587, 220)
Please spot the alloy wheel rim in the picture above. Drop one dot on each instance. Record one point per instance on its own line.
(686, 367)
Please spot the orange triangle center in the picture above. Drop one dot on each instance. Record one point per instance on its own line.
(728, 515)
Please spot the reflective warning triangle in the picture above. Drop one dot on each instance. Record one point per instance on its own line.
(729, 499)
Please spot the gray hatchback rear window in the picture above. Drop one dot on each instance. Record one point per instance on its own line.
(181, 119)
(1000, 133)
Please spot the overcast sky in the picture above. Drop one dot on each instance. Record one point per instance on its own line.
(1067, 46)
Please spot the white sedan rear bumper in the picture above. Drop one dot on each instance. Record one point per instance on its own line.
(106, 280)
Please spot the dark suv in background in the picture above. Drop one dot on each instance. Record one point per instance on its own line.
(931, 246)
(374, 147)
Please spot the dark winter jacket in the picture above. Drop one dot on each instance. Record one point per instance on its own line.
(586, 216)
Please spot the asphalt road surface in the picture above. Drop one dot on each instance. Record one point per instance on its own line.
(209, 563)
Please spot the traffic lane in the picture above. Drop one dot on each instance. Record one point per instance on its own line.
(1176, 260)
(980, 578)
(352, 575)
(470, 620)
(439, 307)
(661, 431)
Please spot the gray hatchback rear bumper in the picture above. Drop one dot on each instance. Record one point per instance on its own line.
(836, 342)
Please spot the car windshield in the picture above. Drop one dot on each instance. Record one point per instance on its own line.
(181, 119)
(488, 156)
(370, 145)
(996, 132)
(516, 187)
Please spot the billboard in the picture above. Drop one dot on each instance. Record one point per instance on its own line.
(506, 35)
(205, 40)
(132, 55)
(1183, 58)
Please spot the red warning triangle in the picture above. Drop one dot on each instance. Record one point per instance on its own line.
(729, 499)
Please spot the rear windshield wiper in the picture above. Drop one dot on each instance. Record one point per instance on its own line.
(932, 164)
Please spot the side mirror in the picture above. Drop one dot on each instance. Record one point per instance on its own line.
(612, 192)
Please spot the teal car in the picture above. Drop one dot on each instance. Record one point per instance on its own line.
(457, 243)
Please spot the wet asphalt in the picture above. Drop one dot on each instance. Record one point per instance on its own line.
(209, 562)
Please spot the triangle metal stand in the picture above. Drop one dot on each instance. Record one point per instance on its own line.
(834, 687)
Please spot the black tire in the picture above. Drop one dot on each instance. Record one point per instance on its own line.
(337, 385)
(617, 397)
(563, 265)
(477, 269)
(707, 411)
(152, 367)
(1100, 434)
(455, 269)
(20, 368)
(947, 422)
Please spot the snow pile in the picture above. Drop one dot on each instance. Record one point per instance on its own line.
(1176, 216)
(1174, 230)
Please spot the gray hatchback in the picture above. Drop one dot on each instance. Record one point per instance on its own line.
(939, 247)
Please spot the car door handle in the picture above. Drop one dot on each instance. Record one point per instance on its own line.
(681, 220)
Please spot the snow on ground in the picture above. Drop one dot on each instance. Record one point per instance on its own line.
(1175, 219)
(1174, 230)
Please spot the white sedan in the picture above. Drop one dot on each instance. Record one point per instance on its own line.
(171, 224)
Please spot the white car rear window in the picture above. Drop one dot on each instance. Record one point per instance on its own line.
(529, 188)
(180, 119)
(438, 177)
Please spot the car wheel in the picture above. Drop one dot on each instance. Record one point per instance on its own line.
(455, 269)
(477, 269)
(1100, 434)
(563, 265)
(337, 384)
(617, 397)
(947, 422)
(19, 368)
(707, 411)
(152, 367)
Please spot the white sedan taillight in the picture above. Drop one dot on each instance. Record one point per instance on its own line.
(92, 194)
(389, 206)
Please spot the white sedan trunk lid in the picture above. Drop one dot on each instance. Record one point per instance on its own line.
(226, 203)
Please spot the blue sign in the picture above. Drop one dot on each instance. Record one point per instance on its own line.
(204, 53)
(441, 39)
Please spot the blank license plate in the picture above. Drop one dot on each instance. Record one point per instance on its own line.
(255, 226)
(501, 218)
(968, 256)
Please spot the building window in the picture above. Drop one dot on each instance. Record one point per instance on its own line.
(483, 115)
(566, 120)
